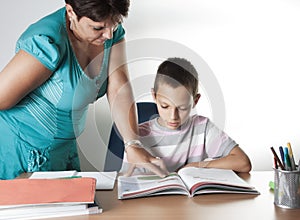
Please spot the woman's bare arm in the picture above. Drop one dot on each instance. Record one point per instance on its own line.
(19, 77)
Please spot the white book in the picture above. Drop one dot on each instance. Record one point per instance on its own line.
(49, 211)
(52, 174)
(104, 180)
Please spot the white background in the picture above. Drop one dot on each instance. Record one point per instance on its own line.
(251, 47)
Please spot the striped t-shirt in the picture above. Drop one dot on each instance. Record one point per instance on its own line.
(196, 140)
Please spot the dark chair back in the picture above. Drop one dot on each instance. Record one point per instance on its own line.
(115, 150)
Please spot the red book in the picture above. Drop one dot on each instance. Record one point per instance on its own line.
(43, 191)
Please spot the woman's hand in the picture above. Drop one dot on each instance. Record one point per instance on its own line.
(139, 157)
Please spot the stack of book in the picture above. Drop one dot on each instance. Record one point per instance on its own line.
(46, 198)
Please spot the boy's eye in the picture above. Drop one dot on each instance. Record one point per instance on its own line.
(164, 106)
(182, 109)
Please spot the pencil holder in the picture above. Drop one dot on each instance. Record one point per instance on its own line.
(287, 189)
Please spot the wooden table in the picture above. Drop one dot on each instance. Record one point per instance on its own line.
(206, 207)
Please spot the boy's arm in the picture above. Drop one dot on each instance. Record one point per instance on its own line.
(237, 160)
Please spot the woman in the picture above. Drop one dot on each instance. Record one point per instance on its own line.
(64, 62)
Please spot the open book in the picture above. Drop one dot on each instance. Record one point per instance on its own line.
(188, 181)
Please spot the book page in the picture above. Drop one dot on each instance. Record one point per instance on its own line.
(52, 174)
(146, 185)
(37, 215)
(211, 176)
(104, 180)
(39, 208)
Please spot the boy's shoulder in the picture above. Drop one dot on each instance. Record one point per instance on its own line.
(199, 119)
(147, 126)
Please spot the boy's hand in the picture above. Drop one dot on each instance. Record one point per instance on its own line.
(139, 157)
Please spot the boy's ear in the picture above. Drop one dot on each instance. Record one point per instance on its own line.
(153, 95)
(196, 99)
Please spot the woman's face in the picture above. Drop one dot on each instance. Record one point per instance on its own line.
(95, 33)
(87, 30)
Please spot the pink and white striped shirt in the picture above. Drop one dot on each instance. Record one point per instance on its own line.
(196, 140)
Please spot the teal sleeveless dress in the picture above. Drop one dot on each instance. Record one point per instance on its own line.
(39, 133)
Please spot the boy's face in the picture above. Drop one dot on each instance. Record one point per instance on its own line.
(174, 105)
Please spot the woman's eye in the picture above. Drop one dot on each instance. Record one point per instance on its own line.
(164, 106)
(98, 28)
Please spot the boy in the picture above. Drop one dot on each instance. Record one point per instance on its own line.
(176, 137)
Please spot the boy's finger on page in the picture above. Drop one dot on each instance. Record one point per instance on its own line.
(130, 170)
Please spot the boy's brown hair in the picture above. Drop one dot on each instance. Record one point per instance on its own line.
(176, 72)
